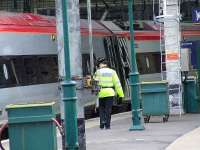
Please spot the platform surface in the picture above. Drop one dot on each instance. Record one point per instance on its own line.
(156, 136)
(179, 133)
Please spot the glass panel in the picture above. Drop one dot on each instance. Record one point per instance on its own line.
(48, 69)
(7, 78)
(148, 63)
(28, 70)
(31, 70)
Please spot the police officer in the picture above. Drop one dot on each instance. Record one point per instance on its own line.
(110, 85)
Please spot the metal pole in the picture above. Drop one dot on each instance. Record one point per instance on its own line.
(14, 5)
(90, 36)
(69, 91)
(27, 6)
(137, 123)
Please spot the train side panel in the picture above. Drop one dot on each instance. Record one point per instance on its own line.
(27, 44)
(27, 94)
(28, 68)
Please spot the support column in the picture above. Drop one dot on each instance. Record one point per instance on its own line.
(172, 38)
(70, 115)
(69, 90)
(137, 122)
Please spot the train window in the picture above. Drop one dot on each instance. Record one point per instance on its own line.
(5, 72)
(7, 78)
(48, 69)
(20, 70)
(28, 70)
(86, 66)
(31, 70)
(148, 63)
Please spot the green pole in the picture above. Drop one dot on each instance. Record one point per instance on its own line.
(69, 91)
(14, 5)
(134, 78)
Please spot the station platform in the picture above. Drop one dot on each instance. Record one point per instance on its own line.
(156, 136)
(179, 133)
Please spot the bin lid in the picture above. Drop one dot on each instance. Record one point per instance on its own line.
(155, 82)
(26, 105)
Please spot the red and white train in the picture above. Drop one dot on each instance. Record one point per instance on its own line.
(28, 55)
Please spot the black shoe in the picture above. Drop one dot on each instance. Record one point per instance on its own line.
(107, 128)
(101, 126)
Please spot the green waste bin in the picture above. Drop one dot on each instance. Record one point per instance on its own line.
(191, 98)
(31, 127)
(155, 100)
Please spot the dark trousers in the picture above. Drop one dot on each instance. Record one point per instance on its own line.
(105, 109)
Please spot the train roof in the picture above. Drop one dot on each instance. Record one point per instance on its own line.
(187, 29)
(26, 22)
(151, 25)
(32, 23)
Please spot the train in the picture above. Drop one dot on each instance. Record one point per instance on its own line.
(29, 57)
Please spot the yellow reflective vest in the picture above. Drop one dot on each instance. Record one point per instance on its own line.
(109, 83)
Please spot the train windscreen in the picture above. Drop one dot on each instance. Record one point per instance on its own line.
(28, 70)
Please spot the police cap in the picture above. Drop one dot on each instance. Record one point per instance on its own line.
(101, 60)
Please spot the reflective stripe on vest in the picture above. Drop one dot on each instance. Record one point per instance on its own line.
(105, 77)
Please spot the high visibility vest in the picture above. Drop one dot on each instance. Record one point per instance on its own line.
(109, 83)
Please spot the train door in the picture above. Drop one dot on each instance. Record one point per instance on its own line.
(116, 52)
